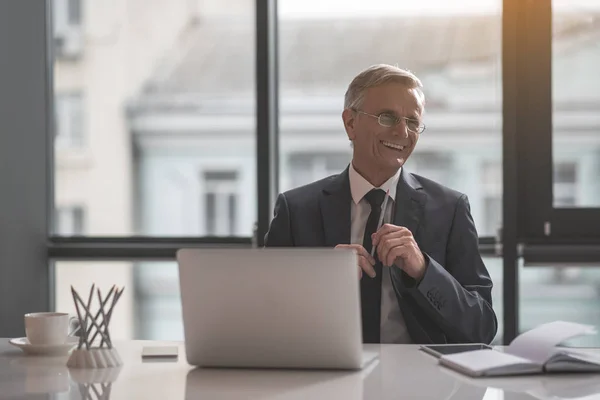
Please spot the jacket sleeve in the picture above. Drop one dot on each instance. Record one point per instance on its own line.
(457, 296)
(280, 231)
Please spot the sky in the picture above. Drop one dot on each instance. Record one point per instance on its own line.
(341, 8)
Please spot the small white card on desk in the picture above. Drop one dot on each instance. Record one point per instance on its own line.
(160, 352)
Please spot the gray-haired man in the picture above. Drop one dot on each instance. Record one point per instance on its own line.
(426, 282)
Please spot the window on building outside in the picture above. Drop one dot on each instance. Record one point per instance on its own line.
(304, 168)
(491, 184)
(67, 27)
(74, 12)
(565, 184)
(436, 166)
(70, 221)
(221, 201)
(69, 126)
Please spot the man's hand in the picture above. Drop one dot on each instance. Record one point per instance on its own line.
(396, 246)
(365, 261)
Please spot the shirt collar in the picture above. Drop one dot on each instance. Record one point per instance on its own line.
(359, 186)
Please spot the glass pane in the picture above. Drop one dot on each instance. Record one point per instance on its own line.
(150, 112)
(455, 50)
(576, 103)
(494, 267)
(75, 12)
(150, 307)
(560, 293)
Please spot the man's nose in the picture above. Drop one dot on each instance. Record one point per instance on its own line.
(401, 129)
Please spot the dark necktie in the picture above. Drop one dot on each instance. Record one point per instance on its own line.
(370, 288)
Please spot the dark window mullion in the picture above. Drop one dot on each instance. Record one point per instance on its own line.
(266, 113)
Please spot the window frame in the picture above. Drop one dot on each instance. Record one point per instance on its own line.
(543, 223)
(527, 178)
(267, 163)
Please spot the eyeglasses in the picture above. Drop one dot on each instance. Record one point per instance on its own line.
(388, 120)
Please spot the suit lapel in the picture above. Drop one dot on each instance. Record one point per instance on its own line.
(335, 210)
(410, 202)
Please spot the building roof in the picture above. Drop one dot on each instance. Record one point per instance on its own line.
(216, 58)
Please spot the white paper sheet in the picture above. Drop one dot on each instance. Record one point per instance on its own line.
(539, 343)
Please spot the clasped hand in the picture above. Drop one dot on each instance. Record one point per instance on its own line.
(395, 246)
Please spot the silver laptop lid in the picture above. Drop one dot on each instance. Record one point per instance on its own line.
(283, 307)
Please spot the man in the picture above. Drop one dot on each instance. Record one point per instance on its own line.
(426, 282)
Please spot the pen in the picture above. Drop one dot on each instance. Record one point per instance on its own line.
(385, 200)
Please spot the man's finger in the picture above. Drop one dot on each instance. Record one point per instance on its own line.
(379, 237)
(389, 243)
(360, 250)
(388, 250)
(387, 228)
(398, 251)
(381, 240)
(366, 266)
(405, 250)
(363, 252)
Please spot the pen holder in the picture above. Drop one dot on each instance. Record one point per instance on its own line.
(95, 348)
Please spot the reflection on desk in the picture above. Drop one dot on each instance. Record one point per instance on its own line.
(293, 384)
(400, 371)
(560, 386)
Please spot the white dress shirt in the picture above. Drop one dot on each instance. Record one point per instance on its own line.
(393, 327)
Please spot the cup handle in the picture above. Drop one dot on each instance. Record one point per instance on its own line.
(74, 326)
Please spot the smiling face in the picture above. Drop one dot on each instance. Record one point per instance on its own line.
(379, 150)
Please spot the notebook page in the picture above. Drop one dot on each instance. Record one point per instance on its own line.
(482, 360)
(539, 343)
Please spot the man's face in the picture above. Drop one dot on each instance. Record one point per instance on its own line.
(379, 146)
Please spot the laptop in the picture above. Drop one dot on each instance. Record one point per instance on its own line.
(272, 308)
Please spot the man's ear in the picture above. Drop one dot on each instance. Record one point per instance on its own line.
(348, 116)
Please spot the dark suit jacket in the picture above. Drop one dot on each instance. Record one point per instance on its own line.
(452, 303)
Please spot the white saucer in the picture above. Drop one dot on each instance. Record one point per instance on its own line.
(45, 349)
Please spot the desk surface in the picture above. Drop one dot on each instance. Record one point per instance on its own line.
(401, 371)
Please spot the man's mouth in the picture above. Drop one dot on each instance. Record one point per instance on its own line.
(392, 145)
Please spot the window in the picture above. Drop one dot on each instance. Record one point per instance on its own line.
(67, 24)
(576, 102)
(67, 14)
(565, 185)
(70, 221)
(491, 184)
(82, 275)
(69, 125)
(432, 165)
(74, 12)
(562, 207)
(169, 91)
(568, 293)
(151, 305)
(221, 202)
(494, 267)
(304, 168)
(454, 48)
(154, 101)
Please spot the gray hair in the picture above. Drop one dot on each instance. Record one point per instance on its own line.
(376, 75)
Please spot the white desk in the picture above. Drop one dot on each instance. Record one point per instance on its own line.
(401, 372)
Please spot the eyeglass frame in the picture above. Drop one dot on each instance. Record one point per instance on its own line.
(397, 120)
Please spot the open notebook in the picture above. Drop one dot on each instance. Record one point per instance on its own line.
(532, 352)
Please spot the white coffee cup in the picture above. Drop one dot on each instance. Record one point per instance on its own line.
(47, 328)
